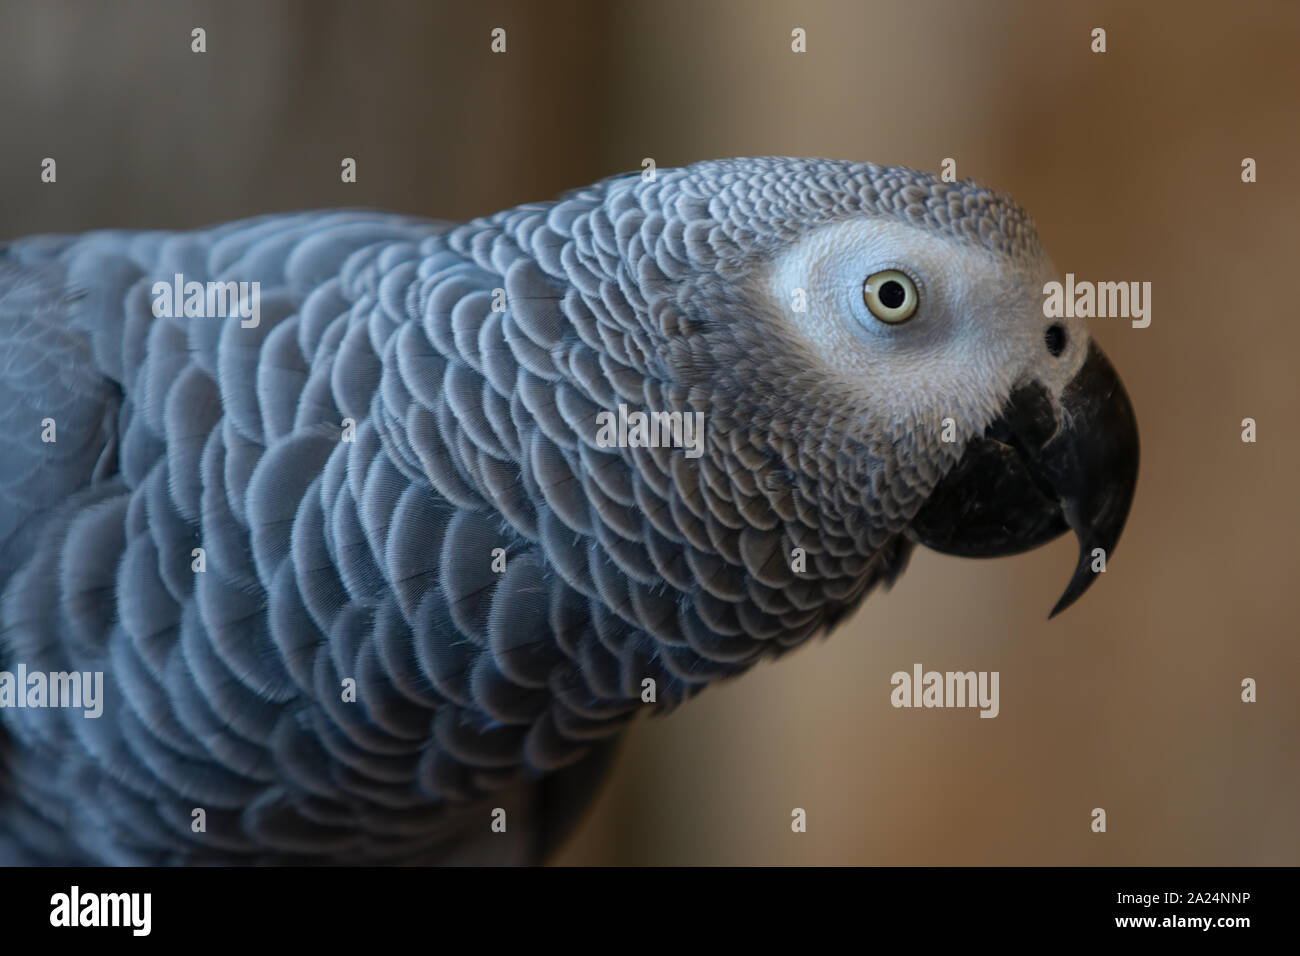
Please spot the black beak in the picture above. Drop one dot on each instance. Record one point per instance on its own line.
(1030, 477)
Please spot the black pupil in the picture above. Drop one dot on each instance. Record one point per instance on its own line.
(892, 294)
(1055, 338)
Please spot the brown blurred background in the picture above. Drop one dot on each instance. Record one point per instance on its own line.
(1129, 160)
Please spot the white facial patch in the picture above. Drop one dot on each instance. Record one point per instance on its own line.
(976, 333)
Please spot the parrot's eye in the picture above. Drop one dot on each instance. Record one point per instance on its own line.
(890, 295)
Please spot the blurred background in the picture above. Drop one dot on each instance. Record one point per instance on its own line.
(1129, 160)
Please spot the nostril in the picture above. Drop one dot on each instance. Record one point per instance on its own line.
(1055, 339)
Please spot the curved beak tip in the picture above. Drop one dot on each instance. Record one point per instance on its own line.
(1082, 580)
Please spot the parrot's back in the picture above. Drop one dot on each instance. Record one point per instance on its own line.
(307, 652)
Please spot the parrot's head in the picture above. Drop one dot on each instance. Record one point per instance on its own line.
(875, 339)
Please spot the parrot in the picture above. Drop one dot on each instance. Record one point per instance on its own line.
(351, 569)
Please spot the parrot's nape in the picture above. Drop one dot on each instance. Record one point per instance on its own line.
(377, 530)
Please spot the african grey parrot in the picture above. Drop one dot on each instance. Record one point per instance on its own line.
(393, 481)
